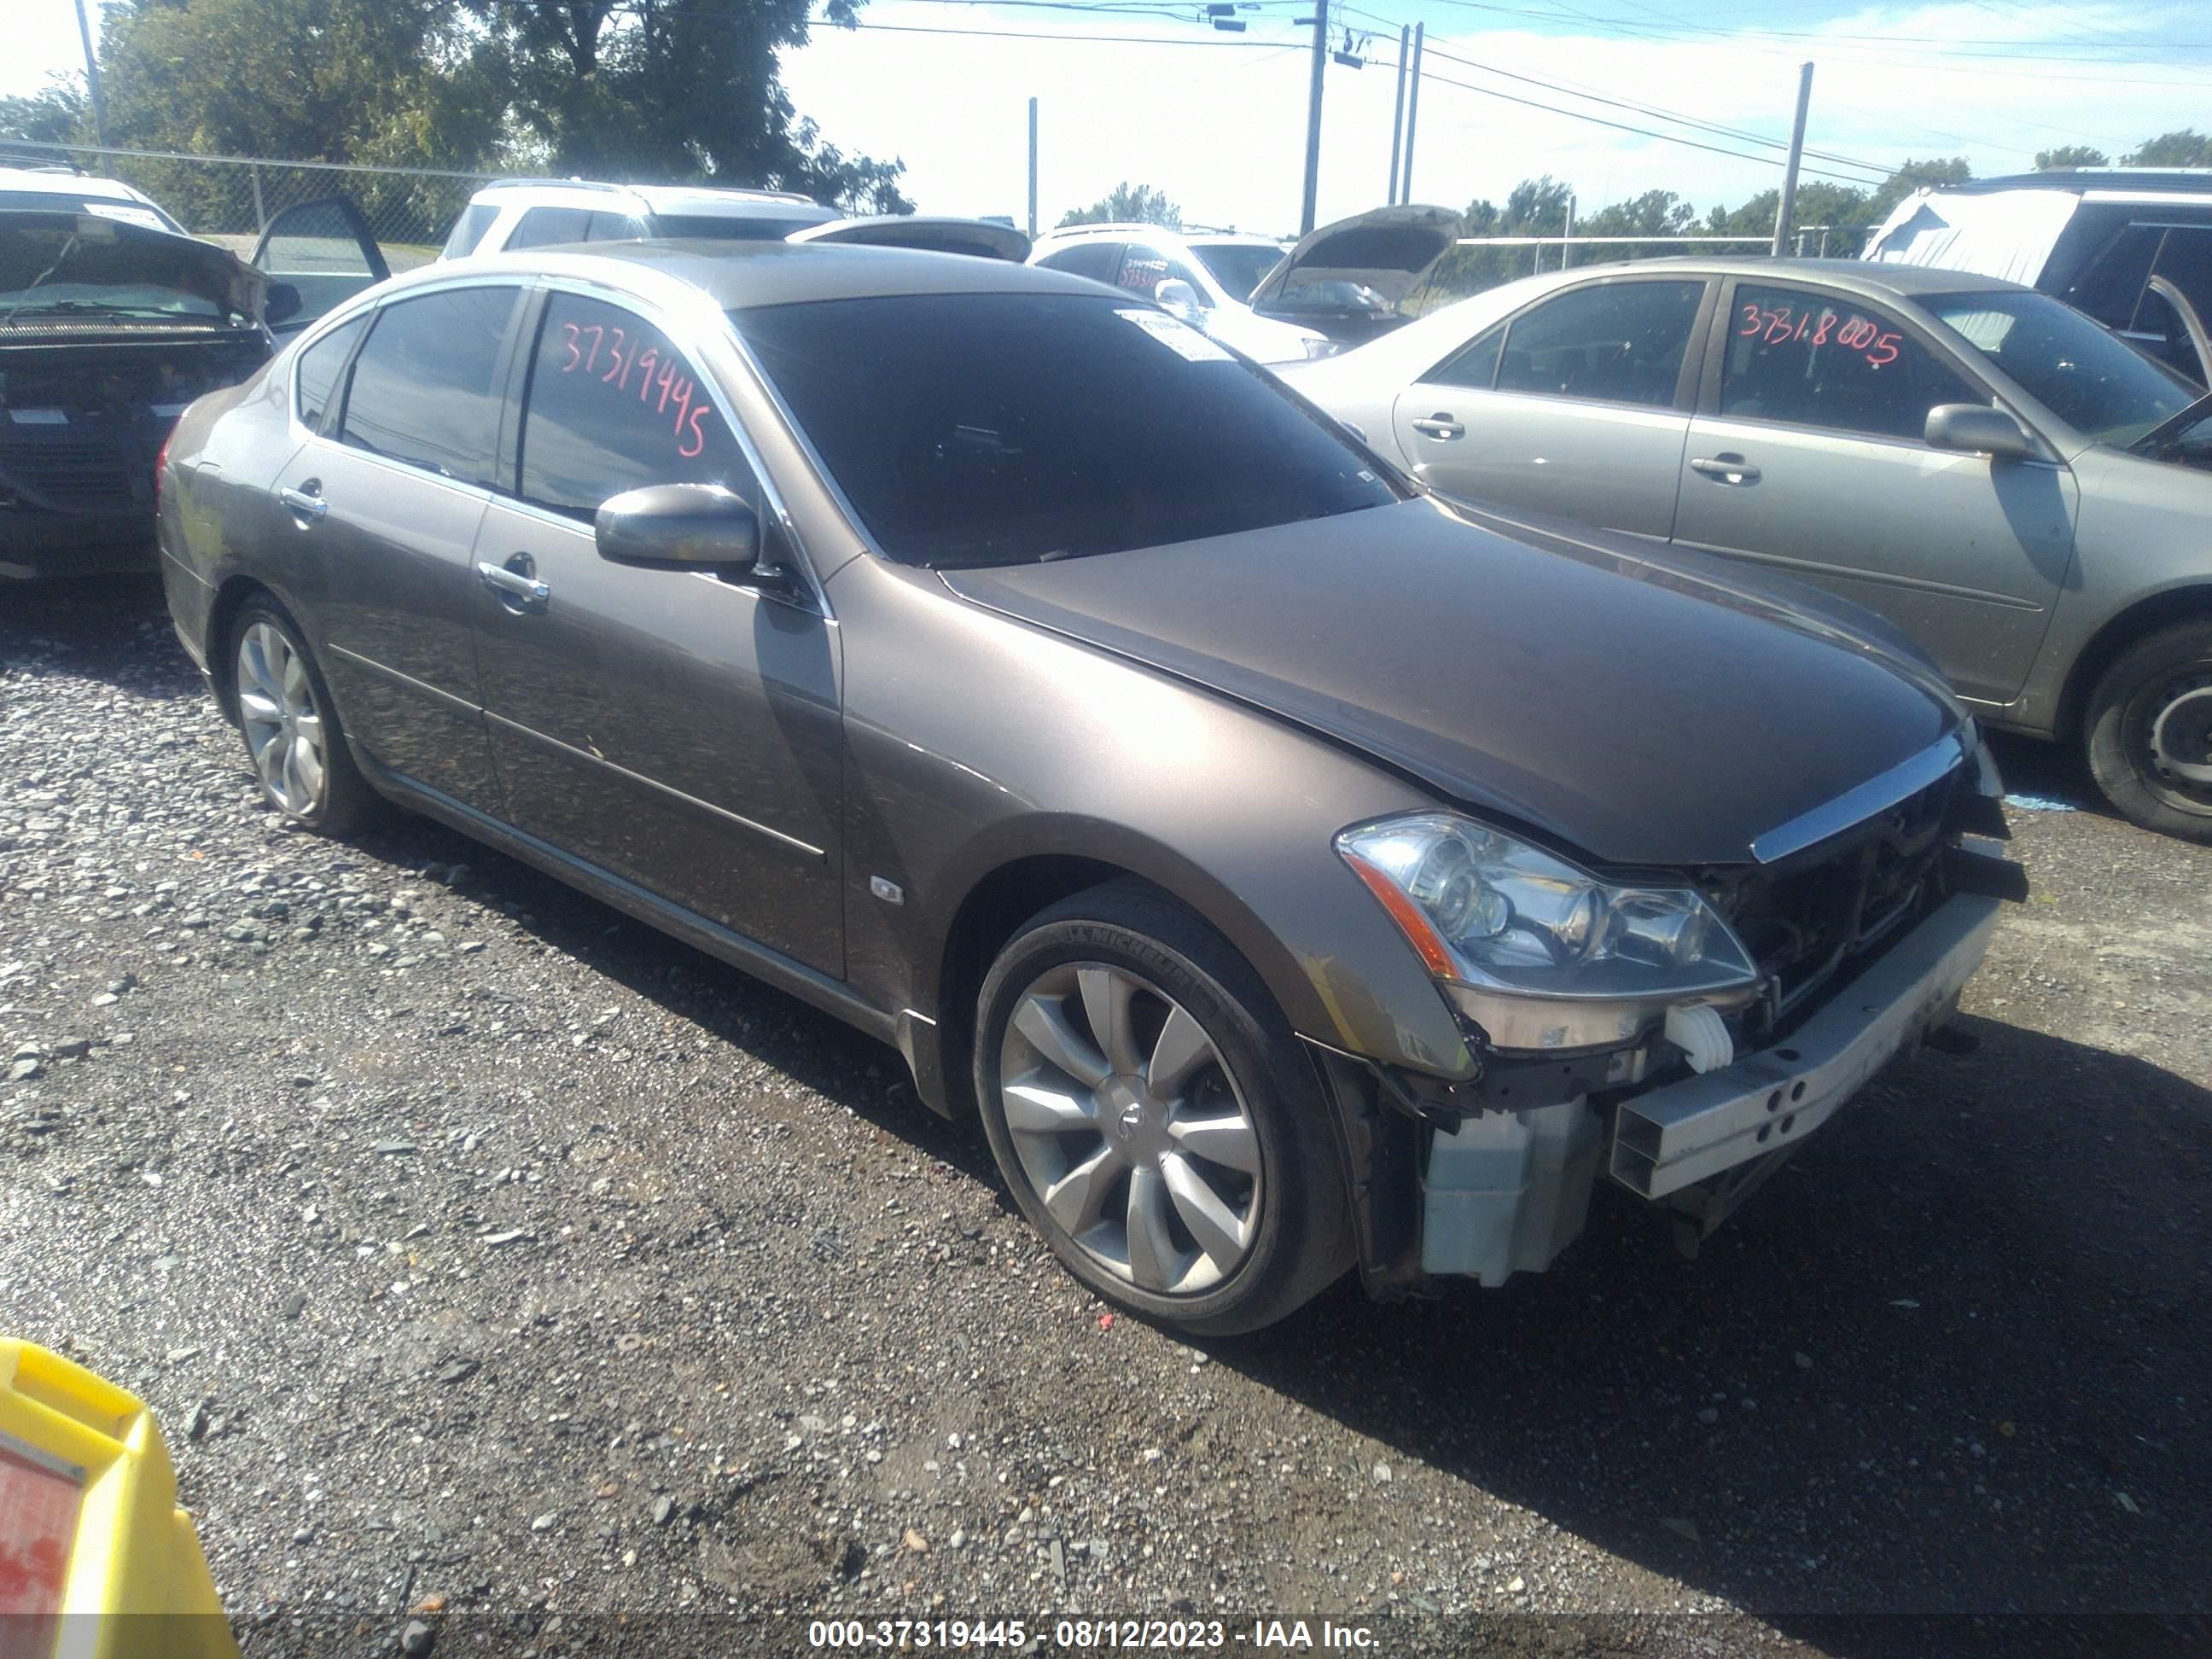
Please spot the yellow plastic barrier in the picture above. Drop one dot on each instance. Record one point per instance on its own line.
(97, 1559)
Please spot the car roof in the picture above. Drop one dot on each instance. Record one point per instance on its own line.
(661, 198)
(2179, 181)
(740, 274)
(1909, 281)
(66, 183)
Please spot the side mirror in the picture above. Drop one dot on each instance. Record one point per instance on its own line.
(684, 525)
(282, 303)
(1178, 299)
(1977, 429)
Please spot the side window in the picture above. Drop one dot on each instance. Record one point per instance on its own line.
(542, 227)
(1617, 343)
(612, 228)
(1095, 260)
(1474, 365)
(1812, 361)
(421, 388)
(469, 230)
(612, 405)
(2185, 259)
(2112, 282)
(315, 376)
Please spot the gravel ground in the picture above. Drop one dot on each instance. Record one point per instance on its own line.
(481, 1250)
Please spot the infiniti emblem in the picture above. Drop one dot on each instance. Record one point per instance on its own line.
(1131, 1116)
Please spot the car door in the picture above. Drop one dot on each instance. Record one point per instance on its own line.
(677, 730)
(1578, 405)
(384, 498)
(326, 251)
(1806, 455)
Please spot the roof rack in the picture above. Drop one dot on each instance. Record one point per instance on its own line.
(573, 184)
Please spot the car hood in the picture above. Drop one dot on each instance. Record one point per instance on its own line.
(1626, 707)
(36, 246)
(1389, 249)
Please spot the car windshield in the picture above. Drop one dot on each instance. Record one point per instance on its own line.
(1238, 267)
(2096, 382)
(105, 207)
(1010, 429)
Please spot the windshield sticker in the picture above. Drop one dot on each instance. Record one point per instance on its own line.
(1184, 341)
(38, 417)
(123, 212)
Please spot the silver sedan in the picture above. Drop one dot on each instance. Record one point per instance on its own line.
(2018, 490)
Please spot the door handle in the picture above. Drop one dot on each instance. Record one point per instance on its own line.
(1726, 468)
(305, 503)
(1441, 427)
(524, 592)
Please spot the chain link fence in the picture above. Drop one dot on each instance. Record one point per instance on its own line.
(230, 199)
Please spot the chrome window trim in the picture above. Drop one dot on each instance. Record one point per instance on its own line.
(1878, 794)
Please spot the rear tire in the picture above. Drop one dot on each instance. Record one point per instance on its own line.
(292, 738)
(1155, 1117)
(2149, 731)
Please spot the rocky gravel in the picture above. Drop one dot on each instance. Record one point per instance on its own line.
(483, 1252)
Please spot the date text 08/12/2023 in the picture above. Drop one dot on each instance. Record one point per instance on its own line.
(1090, 1635)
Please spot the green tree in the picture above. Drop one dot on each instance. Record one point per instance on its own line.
(55, 115)
(655, 89)
(2071, 156)
(1128, 204)
(2185, 149)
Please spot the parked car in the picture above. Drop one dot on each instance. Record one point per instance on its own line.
(111, 322)
(980, 239)
(1976, 461)
(1339, 286)
(509, 214)
(2125, 245)
(1205, 280)
(64, 190)
(1291, 871)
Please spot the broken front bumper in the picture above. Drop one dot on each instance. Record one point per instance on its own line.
(1691, 1132)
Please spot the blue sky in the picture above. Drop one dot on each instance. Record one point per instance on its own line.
(1218, 120)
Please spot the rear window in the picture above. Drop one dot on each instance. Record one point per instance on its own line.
(421, 388)
(717, 227)
(1010, 429)
(469, 230)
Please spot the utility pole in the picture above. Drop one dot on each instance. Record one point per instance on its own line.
(1787, 207)
(1320, 22)
(1412, 113)
(1398, 109)
(1033, 159)
(92, 78)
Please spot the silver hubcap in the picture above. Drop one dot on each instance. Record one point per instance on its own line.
(2181, 733)
(283, 727)
(1130, 1128)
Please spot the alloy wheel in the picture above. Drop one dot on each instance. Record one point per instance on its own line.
(1130, 1128)
(2178, 735)
(284, 727)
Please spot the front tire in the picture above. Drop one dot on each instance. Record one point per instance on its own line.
(1155, 1118)
(2149, 731)
(293, 737)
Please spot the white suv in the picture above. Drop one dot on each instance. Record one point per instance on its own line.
(522, 213)
(1221, 270)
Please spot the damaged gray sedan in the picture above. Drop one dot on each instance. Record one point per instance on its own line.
(1291, 872)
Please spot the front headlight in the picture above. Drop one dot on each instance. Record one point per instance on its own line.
(1541, 954)
(1320, 345)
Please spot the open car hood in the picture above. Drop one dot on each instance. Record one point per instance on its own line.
(41, 245)
(932, 233)
(1388, 251)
